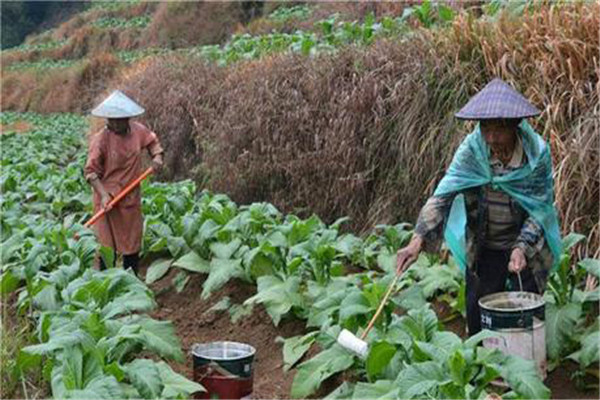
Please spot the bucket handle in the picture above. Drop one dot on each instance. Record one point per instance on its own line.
(521, 321)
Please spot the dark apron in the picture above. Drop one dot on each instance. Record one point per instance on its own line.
(491, 276)
(490, 272)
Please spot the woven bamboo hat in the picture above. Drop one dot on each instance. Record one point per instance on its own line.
(497, 100)
(118, 105)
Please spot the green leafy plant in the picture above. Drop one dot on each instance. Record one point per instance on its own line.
(283, 14)
(122, 23)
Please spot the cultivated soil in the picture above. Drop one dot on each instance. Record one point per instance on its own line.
(195, 324)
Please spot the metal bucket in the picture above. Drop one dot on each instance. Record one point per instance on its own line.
(519, 318)
(224, 369)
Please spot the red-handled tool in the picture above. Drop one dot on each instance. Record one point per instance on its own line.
(119, 197)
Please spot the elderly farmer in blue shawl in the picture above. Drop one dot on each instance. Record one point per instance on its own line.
(495, 205)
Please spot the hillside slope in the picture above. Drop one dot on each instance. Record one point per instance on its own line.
(344, 131)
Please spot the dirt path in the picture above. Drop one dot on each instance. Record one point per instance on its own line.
(195, 324)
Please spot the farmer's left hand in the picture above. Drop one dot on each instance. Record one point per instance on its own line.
(518, 261)
(157, 164)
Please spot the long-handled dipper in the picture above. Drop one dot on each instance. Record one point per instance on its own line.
(358, 345)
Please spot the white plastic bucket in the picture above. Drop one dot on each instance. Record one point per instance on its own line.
(518, 317)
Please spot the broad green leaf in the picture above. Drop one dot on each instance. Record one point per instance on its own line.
(145, 377)
(193, 262)
(421, 324)
(446, 13)
(591, 265)
(180, 281)
(9, 282)
(381, 389)
(278, 296)
(115, 370)
(108, 256)
(26, 361)
(9, 248)
(61, 341)
(418, 379)
(260, 265)
(354, 304)
(47, 299)
(411, 298)
(387, 262)
(379, 357)
(157, 270)
(348, 244)
(72, 368)
(523, 378)
(589, 352)
(480, 337)
(128, 303)
(240, 311)
(439, 278)
(313, 372)
(221, 271)
(158, 246)
(295, 347)
(177, 246)
(160, 337)
(221, 305)
(571, 240)
(102, 387)
(440, 348)
(95, 326)
(225, 250)
(457, 366)
(175, 385)
(560, 327)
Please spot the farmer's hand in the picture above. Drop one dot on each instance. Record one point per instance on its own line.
(157, 164)
(105, 199)
(407, 255)
(518, 261)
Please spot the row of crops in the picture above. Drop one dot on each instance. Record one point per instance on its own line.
(329, 34)
(332, 35)
(123, 23)
(90, 328)
(300, 268)
(126, 56)
(93, 336)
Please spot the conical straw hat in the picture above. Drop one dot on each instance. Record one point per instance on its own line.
(118, 105)
(497, 100)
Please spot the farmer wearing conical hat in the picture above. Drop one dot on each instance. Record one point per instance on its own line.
(494, 206)
(114, 160)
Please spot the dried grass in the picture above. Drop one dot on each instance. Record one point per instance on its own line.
(72, 89)
(368, 132)
(184, 24)
(84, 39)
(365, 133)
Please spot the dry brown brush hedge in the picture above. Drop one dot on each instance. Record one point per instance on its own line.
(70, 89)
(184, 24)
(368, 132)
(83, 38)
